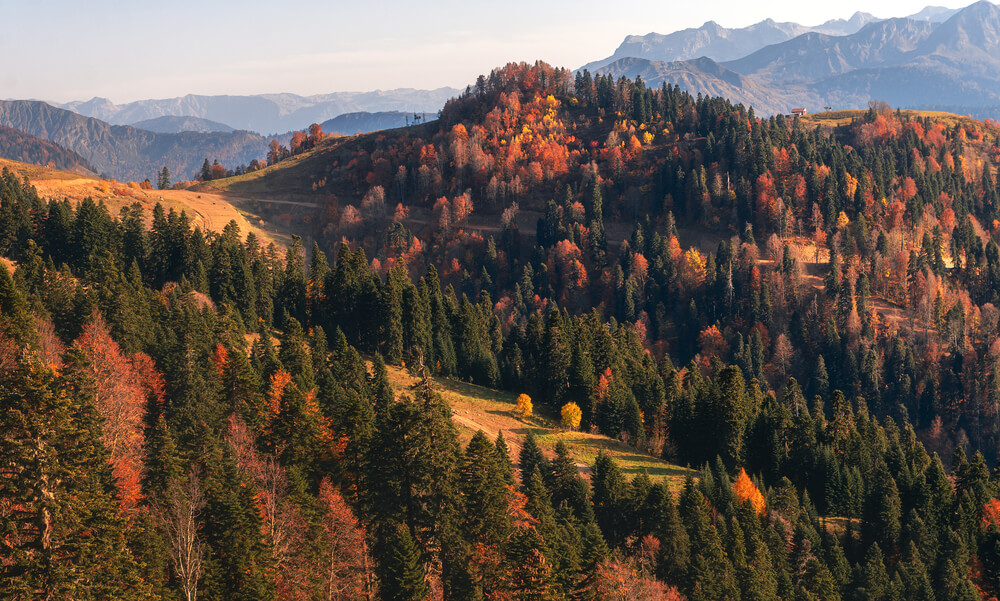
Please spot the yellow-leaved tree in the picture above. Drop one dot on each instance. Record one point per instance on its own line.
(524, 406)
(746, 491)
(571, 415)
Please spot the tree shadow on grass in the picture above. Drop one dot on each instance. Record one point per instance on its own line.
(472, 390)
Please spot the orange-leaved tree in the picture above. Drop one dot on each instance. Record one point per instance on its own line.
(524, 405)
(571, 415)
(747, 491)
(122, 390)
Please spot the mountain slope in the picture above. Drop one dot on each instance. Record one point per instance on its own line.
(938, 57)
(934, 14)
(128, 153)
(705, 76)
(906, 62)
(968, 42)
(265, 113)
(813, 56)
(19, 146)
(174, 125)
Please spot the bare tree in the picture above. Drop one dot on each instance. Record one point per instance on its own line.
(346, 573)
(783, 355)
(179, 519)
(281, 522)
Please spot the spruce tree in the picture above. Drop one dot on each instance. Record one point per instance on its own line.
(674, 559)
(17, 322)
(66, 538)
(609, 496)
(530, 572)
(569, 489)
(163, 179)
(239, 562)
(485, 496)
(502, 453)
(392, 305)
(531, 459)
(398, 565)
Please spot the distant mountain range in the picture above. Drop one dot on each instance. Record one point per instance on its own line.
(265, 113)
(128, 153)
(720, 43)
(39, 133)
(347, 124)
(913, 62)
(724, 44)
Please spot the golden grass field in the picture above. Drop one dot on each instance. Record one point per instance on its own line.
(209, 210)
(838, 118)
(478, 408)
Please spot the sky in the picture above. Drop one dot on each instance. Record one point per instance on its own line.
(62, 50)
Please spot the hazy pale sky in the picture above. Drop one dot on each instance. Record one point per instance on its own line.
(61, 50)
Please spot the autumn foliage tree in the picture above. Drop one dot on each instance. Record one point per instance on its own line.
(747, 492)
(571, 415)
(344, 564)
(124, 388)
(524, 405)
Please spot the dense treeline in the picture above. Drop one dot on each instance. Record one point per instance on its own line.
(191, 414)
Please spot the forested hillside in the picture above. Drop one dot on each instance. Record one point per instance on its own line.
(805, 314)
(19, 146)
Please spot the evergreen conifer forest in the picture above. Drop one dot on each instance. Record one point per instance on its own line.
(803, 311)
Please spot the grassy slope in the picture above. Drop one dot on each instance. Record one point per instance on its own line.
(295, 176)
(477, 408)
(838, 118)
(210, 211)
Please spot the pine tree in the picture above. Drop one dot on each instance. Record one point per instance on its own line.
(392, 300)
(609, 497)
(163, 179)
(398, 565)
(569, 489)
(17, 322)
(531, 459)
(65, 536)
(239, 562)
(502, 453)
(485, 496)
